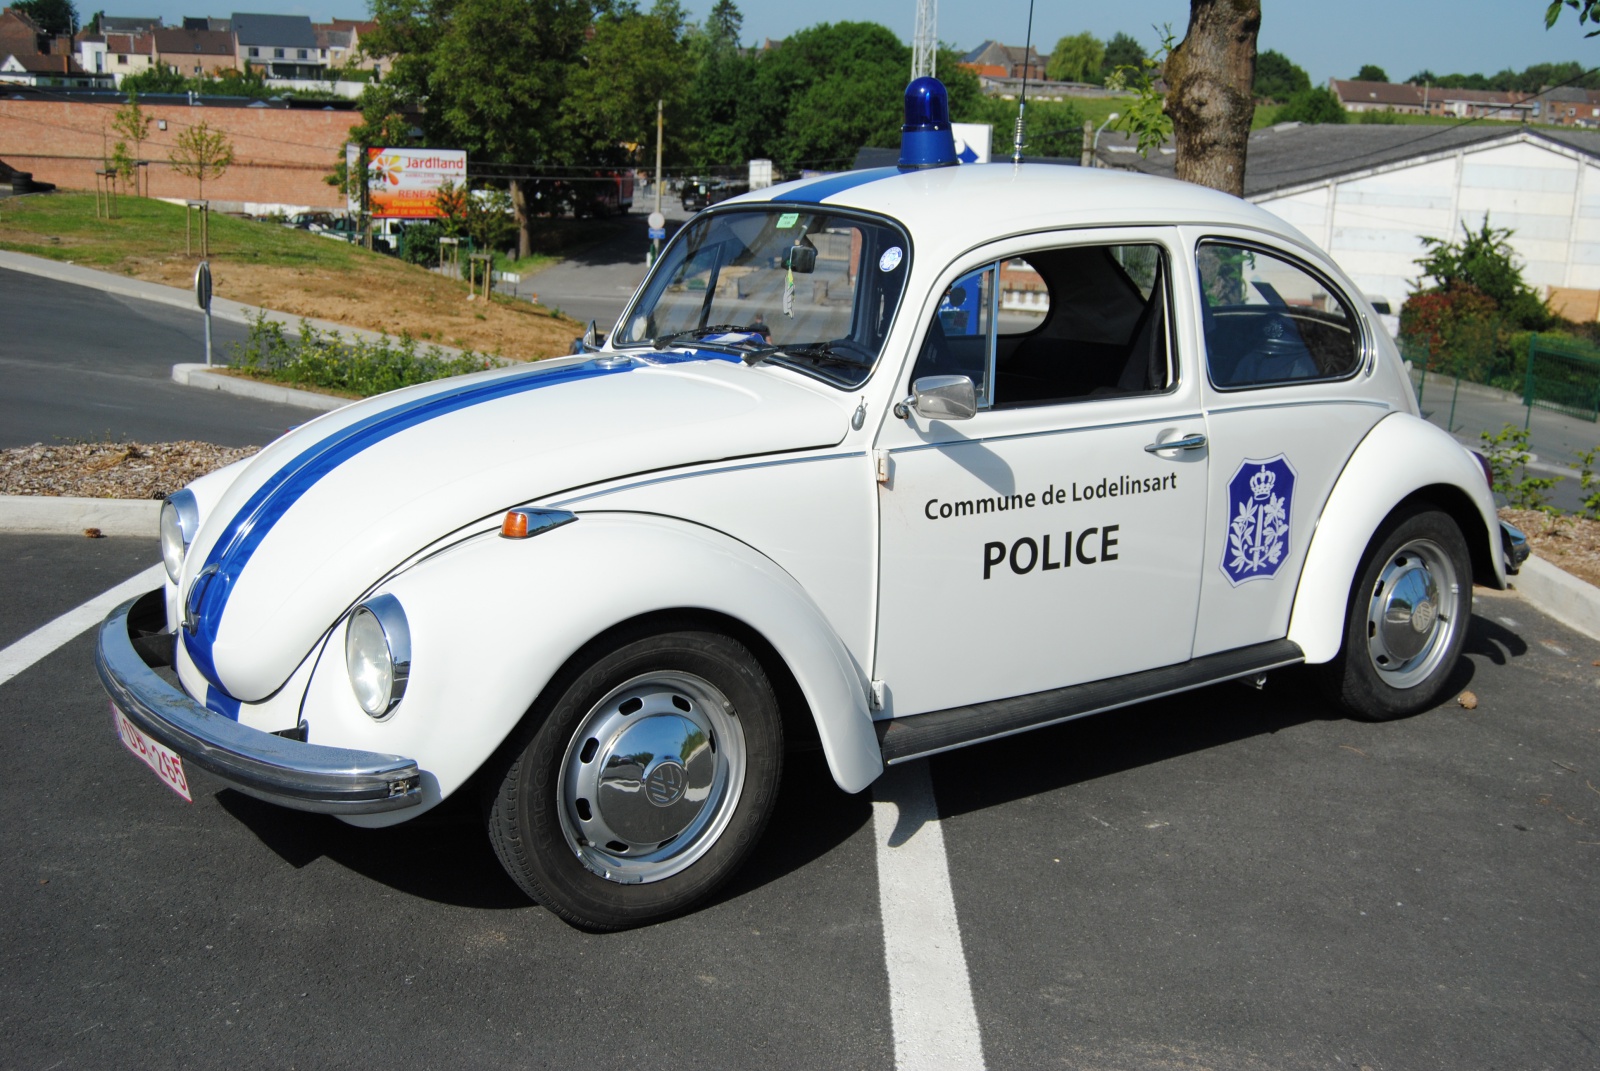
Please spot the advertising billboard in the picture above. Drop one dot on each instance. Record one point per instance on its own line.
(402, 183)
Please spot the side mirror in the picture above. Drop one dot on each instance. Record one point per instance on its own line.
(941, 398)
(591, 338)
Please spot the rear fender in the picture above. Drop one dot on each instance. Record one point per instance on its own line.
(492, 620)
(1401, 458)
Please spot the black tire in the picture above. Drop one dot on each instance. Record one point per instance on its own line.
(1407, 617)
(645, 783)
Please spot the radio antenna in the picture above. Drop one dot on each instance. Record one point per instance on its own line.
(1022, 100)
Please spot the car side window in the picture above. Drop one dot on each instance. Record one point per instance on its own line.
(959, 338)
(1069, 324)
(1270, 321)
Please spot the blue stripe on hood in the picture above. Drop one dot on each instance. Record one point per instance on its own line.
(208, 596)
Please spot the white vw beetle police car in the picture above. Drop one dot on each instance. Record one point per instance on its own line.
(895, 461)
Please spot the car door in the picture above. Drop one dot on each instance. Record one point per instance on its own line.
(1286, 358)
(1051, 538)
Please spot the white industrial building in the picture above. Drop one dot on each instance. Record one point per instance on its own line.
(1367, 194)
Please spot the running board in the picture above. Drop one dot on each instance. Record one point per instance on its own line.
(903, 739)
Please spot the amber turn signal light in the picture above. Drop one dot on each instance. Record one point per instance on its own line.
(515, 526)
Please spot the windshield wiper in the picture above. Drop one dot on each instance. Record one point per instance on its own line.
(699, 335)
(821, 352)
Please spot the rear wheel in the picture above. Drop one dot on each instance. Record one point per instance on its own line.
(1407, 618)
(645, 785)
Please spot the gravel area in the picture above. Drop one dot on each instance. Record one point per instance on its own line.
(155, 470)
(111, 470)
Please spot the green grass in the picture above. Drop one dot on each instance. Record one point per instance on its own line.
(144, 228)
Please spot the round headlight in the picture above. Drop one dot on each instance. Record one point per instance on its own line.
(377, 654)
(180, 517)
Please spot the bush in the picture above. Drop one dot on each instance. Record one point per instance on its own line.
(353, 366)
(1317, 105)
(419, 244)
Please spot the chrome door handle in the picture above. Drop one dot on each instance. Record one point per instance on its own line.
(1188, 442)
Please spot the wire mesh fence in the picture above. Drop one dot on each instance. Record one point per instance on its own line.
(1563, 376)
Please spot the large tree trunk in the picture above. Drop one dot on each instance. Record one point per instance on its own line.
(519, 205)
(1209, 78)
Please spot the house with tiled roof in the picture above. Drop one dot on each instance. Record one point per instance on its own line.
(279, 46)
(1568, 106)
(1358, 96)
(195, 53)
(39, 69)
(995, 60)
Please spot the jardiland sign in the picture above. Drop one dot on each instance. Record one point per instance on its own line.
(404, 183)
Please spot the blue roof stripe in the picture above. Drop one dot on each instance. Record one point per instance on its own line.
(823, 188)
(274, 498)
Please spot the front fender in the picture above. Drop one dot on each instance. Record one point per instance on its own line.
(1401, 456)
(492, 620)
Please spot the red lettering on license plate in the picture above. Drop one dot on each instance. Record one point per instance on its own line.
(166, 763)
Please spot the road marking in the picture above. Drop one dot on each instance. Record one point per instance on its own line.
(930, 993)
(72, 624)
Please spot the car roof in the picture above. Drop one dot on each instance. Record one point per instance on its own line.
(957, 208)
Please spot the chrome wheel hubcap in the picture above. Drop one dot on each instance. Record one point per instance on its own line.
(1413, 613)
(651, 777)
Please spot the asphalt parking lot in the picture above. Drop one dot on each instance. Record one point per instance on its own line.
(1227, 879)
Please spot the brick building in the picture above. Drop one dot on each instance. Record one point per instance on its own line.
(281, 151)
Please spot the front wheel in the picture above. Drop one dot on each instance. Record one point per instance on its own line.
(645, 785)
(1407, 618)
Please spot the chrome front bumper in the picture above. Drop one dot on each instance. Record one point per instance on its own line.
(291, 773)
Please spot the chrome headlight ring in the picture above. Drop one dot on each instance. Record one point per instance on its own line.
(180, 520)
(377, 654)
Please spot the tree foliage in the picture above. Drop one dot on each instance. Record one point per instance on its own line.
(1078, 58)
(1529, 80)
(1121, 51)
(1319, 105)
(202, 153)
(53, 16)
(1588, 12)
(632, 61)
(1371, 72)
(1277, 78)
(1483, 260)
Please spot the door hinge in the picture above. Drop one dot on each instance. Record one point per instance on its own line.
(875, 697)
(880, 461)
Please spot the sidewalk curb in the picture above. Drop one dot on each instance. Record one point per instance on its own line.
(178, 297)
(196, 375)
(1573, 602)
(53, 515)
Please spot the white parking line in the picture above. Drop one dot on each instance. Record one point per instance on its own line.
(46, 638)
(930, 994)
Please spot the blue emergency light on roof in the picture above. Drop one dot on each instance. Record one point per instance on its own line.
(926, 140)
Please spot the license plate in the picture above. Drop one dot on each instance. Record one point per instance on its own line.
(167, 764)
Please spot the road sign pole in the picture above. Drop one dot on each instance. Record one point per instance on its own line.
(202, 297)
(655, 243)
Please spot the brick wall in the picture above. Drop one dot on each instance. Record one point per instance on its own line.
(280, 155)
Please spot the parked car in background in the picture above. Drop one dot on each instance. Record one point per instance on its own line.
(701, 192)
(890, 462)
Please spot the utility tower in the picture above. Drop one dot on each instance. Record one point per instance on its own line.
(926, 40)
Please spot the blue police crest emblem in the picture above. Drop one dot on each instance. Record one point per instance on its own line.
(1260, 497)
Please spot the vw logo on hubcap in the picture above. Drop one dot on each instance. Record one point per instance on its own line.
(665, 784)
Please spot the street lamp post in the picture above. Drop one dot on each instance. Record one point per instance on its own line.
(1094, 149)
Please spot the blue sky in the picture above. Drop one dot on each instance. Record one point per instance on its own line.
(1329, 38)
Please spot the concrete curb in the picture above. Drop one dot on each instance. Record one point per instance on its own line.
(178, 297)
(50, 515)
(197, 375)
(1573, 602)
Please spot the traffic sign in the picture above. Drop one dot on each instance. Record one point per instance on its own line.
(657, 233)
(656, 221)
(202, 285)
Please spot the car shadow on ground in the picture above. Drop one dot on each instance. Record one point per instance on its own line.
(444, 855)
(1101, 745)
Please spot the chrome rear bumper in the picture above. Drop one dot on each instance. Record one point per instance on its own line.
(1514, 545)
(291, 773)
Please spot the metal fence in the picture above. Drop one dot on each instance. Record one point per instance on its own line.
(1563, 376)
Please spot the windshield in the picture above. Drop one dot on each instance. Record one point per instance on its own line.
(808, 289)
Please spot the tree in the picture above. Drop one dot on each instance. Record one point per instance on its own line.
(1485, 261)
(58, 17)
(1371, 73)
(1277, 78)
(1121, 51)
(133, 125)
(1317, 105)
(157, 79)
(202, 153)
(1209, 78)
(1076, 59)
(1588, 11)
(632, 61)
(494, 75)
(718, 118)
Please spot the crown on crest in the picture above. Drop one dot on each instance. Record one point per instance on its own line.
(1261, 483)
